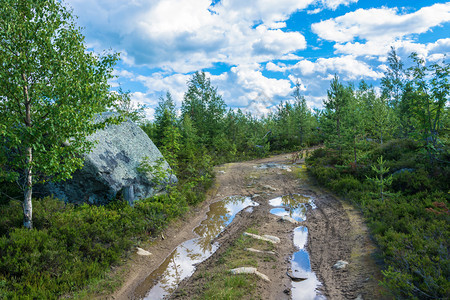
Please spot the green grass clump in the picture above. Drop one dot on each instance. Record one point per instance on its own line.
(221, 284)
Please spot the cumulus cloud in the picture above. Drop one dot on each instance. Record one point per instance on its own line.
(348, 66)
(158, 84)
(333, 4)
(187, 35)
(381, 24)
(138, 98)
(163, 41)
(245, 83)
(280, 67)
(373, 31)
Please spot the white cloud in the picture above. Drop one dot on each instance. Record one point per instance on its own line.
(188, 35)
(142, 98)
(158, 84)
(333, 4)
(381, 24)
(259, 107)
(348, 66)
(372, 32)
(280, 67)
(246, 83)
(164, 41)
(373, 48)
(273, 42)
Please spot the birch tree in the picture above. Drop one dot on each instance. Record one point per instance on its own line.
(51, 87)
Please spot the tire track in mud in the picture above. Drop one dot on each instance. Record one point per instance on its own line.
(329, 238)
(336, 232)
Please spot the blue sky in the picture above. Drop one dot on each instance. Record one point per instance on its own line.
(255, 50)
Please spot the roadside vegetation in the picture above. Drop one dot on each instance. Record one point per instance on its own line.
(390, 157)
(387, 154)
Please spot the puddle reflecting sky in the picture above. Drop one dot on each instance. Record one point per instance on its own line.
(271, 166)
(180, 264)
(301, 267)
(291, 205)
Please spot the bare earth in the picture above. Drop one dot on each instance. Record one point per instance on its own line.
(336, 232)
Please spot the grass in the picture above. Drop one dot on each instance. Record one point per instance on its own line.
(221, 284)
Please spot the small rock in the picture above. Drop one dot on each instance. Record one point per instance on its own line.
(249, 270)
(272, 238)
(267, 238)
(289, 219)
(269, 187)
(142, 252)
(221, 172)
(360, 297)
(259, 251)
(340, 264)
(294, 278)
(249, 209)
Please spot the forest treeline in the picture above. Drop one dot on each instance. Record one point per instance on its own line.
(387, 152)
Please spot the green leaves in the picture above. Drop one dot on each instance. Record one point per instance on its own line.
(381, 180)
(204, 106)
(51, 87)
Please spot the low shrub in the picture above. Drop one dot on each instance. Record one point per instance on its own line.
(411, 225)
(72, 245)
(346, 184)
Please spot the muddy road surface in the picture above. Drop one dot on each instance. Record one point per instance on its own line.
(323, 252)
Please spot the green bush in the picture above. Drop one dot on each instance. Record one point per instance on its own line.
(324, 175)
(411, 181)
(412, 225)
(72, 245)
(345, 184)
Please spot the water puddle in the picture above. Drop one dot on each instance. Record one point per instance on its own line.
(272, 166)
(180, 264)
(301, 267)
(294, 206)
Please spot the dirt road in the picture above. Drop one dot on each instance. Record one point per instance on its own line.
(335, 233)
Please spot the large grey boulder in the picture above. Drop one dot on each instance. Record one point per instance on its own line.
(112, 168)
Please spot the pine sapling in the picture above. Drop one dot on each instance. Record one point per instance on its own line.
(381, 180)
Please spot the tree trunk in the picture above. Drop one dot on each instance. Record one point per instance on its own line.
(27, 204)
(339, 137)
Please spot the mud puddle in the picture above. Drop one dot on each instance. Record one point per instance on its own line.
(295, 206)
(181, 263)
(272, 166)
(301, 268)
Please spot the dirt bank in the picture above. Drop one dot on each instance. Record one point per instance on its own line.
(336, 232)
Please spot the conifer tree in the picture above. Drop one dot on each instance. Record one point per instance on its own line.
(205, 108)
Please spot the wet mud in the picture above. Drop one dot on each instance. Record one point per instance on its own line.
(181, 263)
(327, 230)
